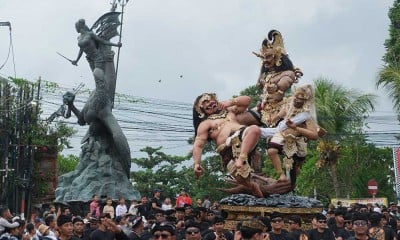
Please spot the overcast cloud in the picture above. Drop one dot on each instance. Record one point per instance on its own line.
(209, 42)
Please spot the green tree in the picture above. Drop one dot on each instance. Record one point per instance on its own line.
(341, 112)
(359, 162)
(392, 44)
(67, 164)
(159, 170)
(389, 74)
(389, 79)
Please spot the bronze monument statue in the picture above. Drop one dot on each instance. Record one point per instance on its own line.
(105, 160)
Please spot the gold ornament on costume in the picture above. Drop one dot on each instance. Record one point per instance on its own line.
(199, 105)
(272, 45)
(304, 92)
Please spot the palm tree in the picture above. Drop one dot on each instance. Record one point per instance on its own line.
(341, 112)
(389, 79)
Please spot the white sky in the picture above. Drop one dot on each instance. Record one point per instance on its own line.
(209, 42)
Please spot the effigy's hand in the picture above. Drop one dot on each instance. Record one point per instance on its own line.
(119, 44)
(74, 62)
(198, 170)
(223, 105)
(291, 124)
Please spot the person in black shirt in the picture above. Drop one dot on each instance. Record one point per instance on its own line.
(295, 231)
(107, 230)
(360, 226)
(137, 229)
(218, 232)
(348, 230)
(338, 224)
(321, 232)
(156, 202)
(277, 224)
(144, 208)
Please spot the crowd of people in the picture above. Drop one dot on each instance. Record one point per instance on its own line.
(153, 219)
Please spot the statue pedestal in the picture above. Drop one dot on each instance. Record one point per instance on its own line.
(239, 207)
(236, 214)
(98, 172)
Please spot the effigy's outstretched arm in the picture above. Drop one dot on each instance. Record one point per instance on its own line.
(68, 99)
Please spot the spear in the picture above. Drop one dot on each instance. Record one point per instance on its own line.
(122, 3)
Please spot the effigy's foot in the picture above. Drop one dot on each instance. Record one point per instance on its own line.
(239, 163)
(321, 132)
(282, 177)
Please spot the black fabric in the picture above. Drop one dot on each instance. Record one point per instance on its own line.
(326, 235)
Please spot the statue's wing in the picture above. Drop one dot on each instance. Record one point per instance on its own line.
(106, 27)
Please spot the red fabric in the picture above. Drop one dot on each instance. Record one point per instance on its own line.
(182, 200)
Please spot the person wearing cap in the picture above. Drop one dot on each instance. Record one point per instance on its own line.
(192, 231)
(277, 224)
(218, 232)
(251, 230)
(348, 230)
(78, 228)
(156, 202)
(92, 225)
(11, 232)
(210, 216)
(5, 218)
(137, 229)
(107, 230)
(44, 231)
(183, 199)
(163, 230)
(160, 215)
(322, 231)
(295, 231)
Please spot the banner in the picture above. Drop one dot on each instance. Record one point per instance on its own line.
(396, 162)
(346, 202)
